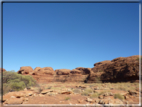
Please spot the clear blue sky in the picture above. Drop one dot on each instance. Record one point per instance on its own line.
(68, 35)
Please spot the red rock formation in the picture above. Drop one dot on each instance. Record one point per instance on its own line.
(42, 75)
(119, 69)
(45, 70)
(83, 70)
(62, 71)
(25, 70)
(75, 71)
(2, 70)
(66, 75)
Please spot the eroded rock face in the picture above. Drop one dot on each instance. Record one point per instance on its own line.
(75, 71)
(42, 75)
(63, 71)
(45, 70)
(83, 70)
(119, 69)
(25, 70)
(116, 70)
(75, 75)
(101, 66)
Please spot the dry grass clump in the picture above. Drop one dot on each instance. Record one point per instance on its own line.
(124, 86)
(87, 92)
(103, 92)
(119, 96)
(67, 98)
(38, 89)
(77, 91)
(94, 95)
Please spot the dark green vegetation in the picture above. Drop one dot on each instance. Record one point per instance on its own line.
(16, 82)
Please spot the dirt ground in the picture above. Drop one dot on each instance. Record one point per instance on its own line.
(83, 93)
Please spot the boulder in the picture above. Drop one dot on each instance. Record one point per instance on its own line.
(45, 70)
(45, 91)
(133, 93)
(89, 100)
(48, 70)
(15, 101)
(63, 71)
(37, 69)
(25, 70)
(66, 92)
(14, 94)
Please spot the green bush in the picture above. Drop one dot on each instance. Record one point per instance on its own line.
(16, 82)
(17, 86)
(9, 75)
(28, 80)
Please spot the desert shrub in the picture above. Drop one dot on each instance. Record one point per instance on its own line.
(98, 80)
(119, 96)
(16, 86)
(6, 88)
(9, 75)
(77, 91)
(67, 98)
(28, 80)
(123, 88)
(103, 92)
(16, 82)
(94, 95)
(85, 93)
(89, 90)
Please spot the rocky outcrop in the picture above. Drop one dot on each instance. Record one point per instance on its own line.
(25, 70)
(42, 75)
(119, 69)
(75, 71)
(116, 70)
(62, 71)
(84, 71)
(75, 75)
(101, 66)
(45, 70)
